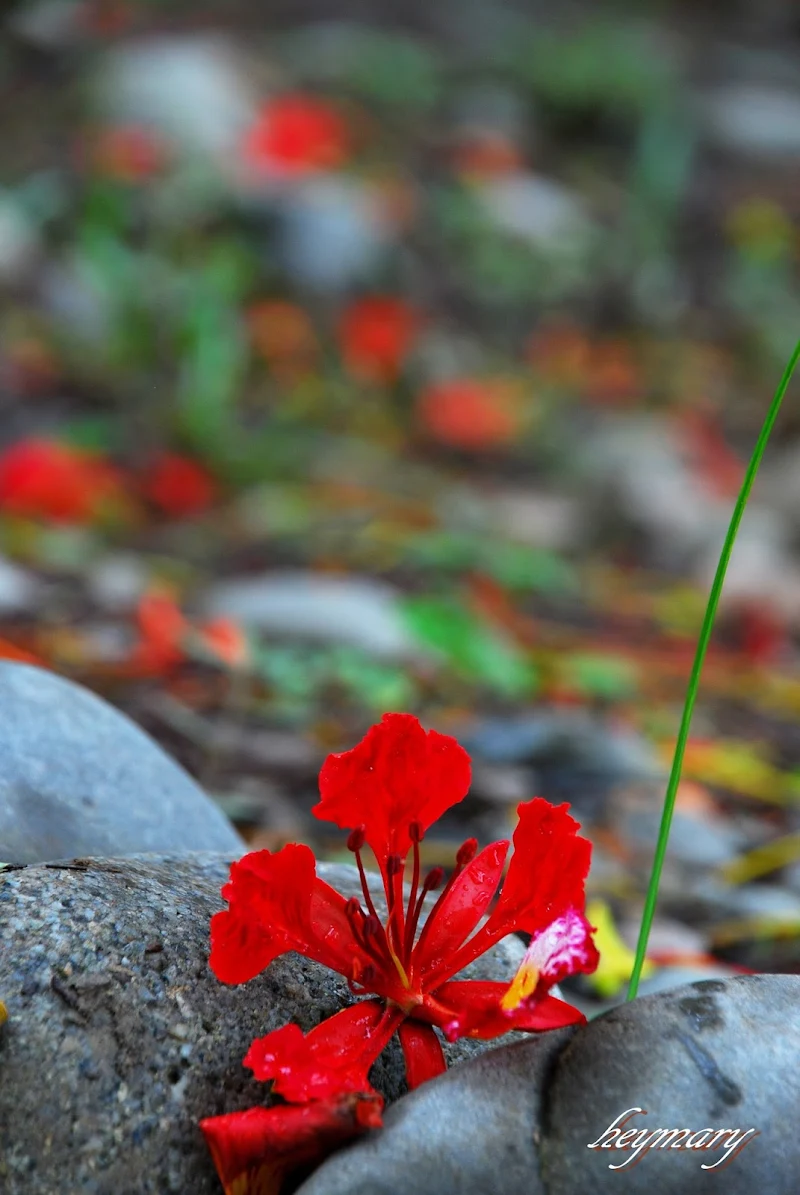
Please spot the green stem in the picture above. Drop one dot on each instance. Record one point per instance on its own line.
(697, 666)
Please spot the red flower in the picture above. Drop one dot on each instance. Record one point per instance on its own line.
(387, 791)
(296, 135)
(179, 486)
(128, 153)
(48, 480)
(470, 413)
(376, 335)
(165, 634)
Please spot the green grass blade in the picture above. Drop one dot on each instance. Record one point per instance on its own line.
(697, 666)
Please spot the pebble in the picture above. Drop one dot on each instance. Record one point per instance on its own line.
(332, 234)
(348, 609)
(192, 89)
(754, 119)
(79, 778)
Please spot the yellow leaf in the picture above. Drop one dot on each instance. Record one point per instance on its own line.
(616, 959)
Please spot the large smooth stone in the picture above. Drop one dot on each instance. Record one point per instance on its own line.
(79, 778)
(719, 1054)
(120, 1039)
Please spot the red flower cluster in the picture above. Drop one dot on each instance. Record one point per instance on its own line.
(296, 135)
(165, 634)
(376, 335)
(179, 486)
(387, 791)
(50, 480)
(470, 413)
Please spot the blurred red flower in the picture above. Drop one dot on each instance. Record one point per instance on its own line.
(178, 486)
(284, 337)
(45, 479)
(128, 153)
(470, 413)
(166, 638)
(376, 335)
(296, 135)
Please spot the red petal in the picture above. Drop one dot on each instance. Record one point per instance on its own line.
(162, 627)
(277, 903)
(225, 639)
(179, 486)
(45, 479)
(376, 334)
(545, 877)
(333, 1058)
(563, 948)
(459, 912)
(396, 775)
(422, 1053)
(480, 1012)
(258, 1151)
(469, 413)
(296, 134)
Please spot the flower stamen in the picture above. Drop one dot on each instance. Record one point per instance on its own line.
(465, 854)
(416, 835)
(432, 881)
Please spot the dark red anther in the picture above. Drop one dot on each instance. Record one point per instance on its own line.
(353, 909)
(368, 975)
(434, 879)
(415, 832)
(394, 865)
(355, 839)
(466, 852)
(371, 927)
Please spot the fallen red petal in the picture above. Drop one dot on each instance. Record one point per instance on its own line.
(259, 1151)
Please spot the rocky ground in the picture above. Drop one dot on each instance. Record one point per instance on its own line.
(351, 365)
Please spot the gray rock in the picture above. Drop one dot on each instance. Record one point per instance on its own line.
(191, 89)
(115, 1016)
(19, 241)
(19, 589)
(117, 581)
(577, 757)
(79, 778)
(755, 119)
(697, 839)
(332, 234)
(537, 210)
(354, 610)
(720, 1054)
(473, 1130)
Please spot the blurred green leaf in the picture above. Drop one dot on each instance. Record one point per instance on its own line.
(396, 71)
(605, 676)
(375, 685)
(213, 366)
(603, 66)
(514, 566)
(475, 651)
(518, 566)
